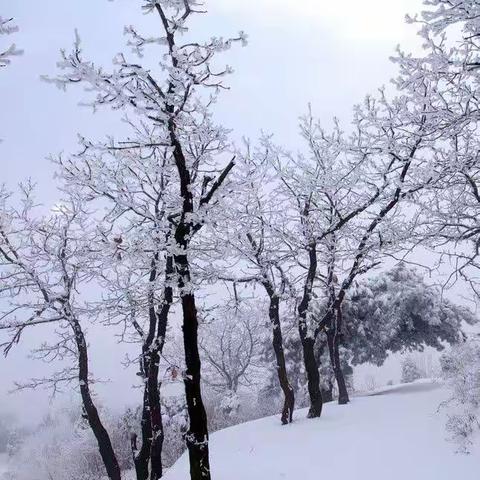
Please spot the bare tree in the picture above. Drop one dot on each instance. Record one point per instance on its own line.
(43, 264)
(391, 136)
(137, 271)
(230, 348)
(172, 108)
(450, 66)
(324, 193)
(253, 253)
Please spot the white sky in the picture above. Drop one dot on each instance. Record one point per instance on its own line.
(328, 53)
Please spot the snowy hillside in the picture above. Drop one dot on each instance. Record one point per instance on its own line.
(394, 434)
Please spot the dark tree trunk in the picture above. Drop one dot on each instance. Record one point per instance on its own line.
(155, 419)
(101, 435)
(313, 377)
(333, 338)
(289, 396)
(308, 342)
(197, 434)
(333, 348)
(148, 461)
(141, 459)
(153, 383)
(327, 393)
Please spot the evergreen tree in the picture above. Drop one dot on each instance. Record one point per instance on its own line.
(410, 370)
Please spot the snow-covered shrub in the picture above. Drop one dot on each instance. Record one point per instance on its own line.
(249, 406)
(410, 370)
(63, 447)
(461, 371)
(175, 424)
(57, 449)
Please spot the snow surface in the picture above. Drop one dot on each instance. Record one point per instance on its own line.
(395, 434)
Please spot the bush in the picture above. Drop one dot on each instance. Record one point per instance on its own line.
(410, 370)
(63, 447)
(461, 372)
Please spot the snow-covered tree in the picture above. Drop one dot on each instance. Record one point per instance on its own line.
(410, 370)
(253, 252)
(461, 371)
(137, 271)
(323, 192)
(172, 104)
(345, 210)
(390, 133)
(449, 66)
(230, 343)
(7, 27)
(397, 311)
(44, 263)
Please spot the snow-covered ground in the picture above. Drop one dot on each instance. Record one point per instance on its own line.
(395, 434)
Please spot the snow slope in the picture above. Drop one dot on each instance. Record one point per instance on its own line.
(396, 434)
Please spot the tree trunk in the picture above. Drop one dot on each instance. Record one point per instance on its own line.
(333, 348)
(156, 468)
(308, 342)
(327, 393)
(141, 459)
(333, 338)
(197, 434)
(149, 458)
(289, 396)
(153, 383)
(103, 439)
(313, 377)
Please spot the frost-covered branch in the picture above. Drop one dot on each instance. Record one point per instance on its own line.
(44, 261)
(7, 27)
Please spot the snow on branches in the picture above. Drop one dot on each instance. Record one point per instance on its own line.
(448, 71)
(162, 184)
(461, 370)
(45, 261)
(397, 311)
(42, 260)
(182, 208)
(7, 27)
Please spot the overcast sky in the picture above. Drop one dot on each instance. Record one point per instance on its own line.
(328, 53)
